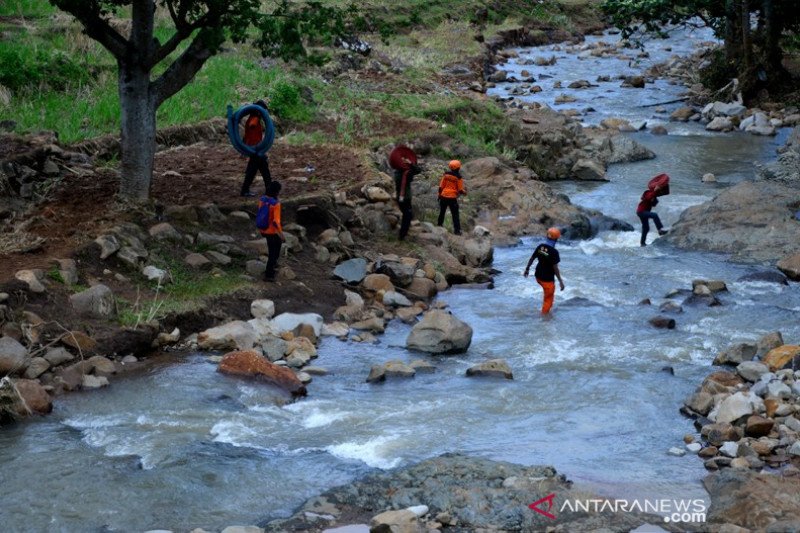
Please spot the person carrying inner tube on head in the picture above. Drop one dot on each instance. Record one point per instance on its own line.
(645, 213)
(547, 268)
(253, 134)
(403, 175)
(450, 188)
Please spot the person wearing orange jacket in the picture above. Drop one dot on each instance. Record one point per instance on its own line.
(547, 268)
(450, 188)
(253, 134)
(273, 230)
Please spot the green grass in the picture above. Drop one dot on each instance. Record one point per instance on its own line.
(26, 8)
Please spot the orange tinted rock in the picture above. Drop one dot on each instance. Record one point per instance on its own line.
(781, 357)
(36, 398)
(249, 364)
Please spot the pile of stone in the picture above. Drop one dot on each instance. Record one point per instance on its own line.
(749, 417)
(722, 116)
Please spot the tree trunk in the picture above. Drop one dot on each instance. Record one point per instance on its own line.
(138, 106)
(773, 28)
(732, 32)
(747, 46)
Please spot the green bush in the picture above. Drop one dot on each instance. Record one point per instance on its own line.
(23, 70)
(719, 72)
(286, 101)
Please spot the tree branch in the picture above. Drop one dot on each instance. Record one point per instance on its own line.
(95, 26)
(183, 69)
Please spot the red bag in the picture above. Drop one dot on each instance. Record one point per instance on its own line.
(399, 155)
(659, 185)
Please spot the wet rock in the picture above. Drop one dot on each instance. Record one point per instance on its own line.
(33, 278)
(24, 397)
(441, 333)
(708, 178)
(700, 402)
(719, 433)
(250, 364)
(787, 356)
(626, 150)
(738, 353)
(422, 367)
(352, 271)
(422, 288)
(790, 266)
(274, 348)
(197, 261)
(377, 282)
(262, 308)
(720, 124)
(89, 381)
(670, 307)
(758, 426)
(662, 322)
(374, 324)
(498, 76)
(736, 406)
(721, 109)
(767, 277)
(682, 114)
(768, 342)
(290, 322)
(395, 299)
(243, 529)
(492, 368)
(236, 335)
(637, 82)
(587, 169)
(713, 286)
(95, 302)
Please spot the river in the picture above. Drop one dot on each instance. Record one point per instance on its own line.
(183, 446)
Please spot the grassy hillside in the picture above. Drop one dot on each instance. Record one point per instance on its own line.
(53, 77)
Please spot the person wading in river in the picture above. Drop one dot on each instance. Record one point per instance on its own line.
(450, 188)
(649, 200)
(268, 222)
(547, 268)
(253, 134)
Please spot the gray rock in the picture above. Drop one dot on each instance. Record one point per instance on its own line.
(738, 353)
(398, 369)
(95, 302)
(12, 355)
(422, 367)
(771, 276)
(262, 308)
(626, 150)
(256, 268)
(33, 277)
(243, 529)
(153, 273)
(36, 367)
(290, 321)
(587, 169)
(94, 382)
(720, 124)
(197, 261)
(677, 452)
(700, 402)
(493, 368)
(778, 389)
(165, 232)
(440, 332)
(274, 348)
(68, 270)
(768, 342)
(729, 449)
(218, 258)
(395, 299)
(751, 370)
(399, 273)
(210, 239)
(736, 406)
(109, 245)
(132, 256)
(58, 356)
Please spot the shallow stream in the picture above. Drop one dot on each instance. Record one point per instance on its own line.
(184, 447)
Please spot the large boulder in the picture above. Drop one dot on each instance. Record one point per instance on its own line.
(23, 397)
(400, 273)
(738, 353)
(790, 266)
(722, 109)
(626, 150)
(440, 332)
(753, 501)
(95, 302)
(248, 363)
(236, 335)
(497, 368)
(13, 356)
(762, 208)
(474, 252)
(588, 169)
(787, 356)
(735, 407)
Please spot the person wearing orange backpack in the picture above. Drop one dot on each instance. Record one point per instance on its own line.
(268, 222)
(450, 188)
(253, 134)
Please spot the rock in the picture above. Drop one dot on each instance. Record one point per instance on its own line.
(353, 299)
(374, 324)
(94, 382)
(441, 333)
(677, 452)
(33, 278)
(403, 521)
(274, 348)
(35, 399)
(250, 364)
(290, 321)
(377, 282)
(498, 76)
(738, 353)
(352, 271)
(766, 277)
(626, 150)
(218, 258)
(708, 178)
(95, 302)
(662, 322)
(165, 232)
(109, 245)
(255, 268)
(156, 274)
(659, 130)
(422, 288)
(236, 335)
(398, 369)
(670, 307)
(768, 342)
(587, 169)
(335, 329)
(735, 407)
(471, 252)
(713, 286)
(720, 124)
(758, 426)
(794, 449)
(36, 367)
(395, 299)
(790, 266)
(777, 389)
(718, 433)
(376, 194)
(682, 114)
(721, 109)
(787, 356)
(751, 370)
(78, 340)
(756, 502)
(492, 368)
(13, 356)
(243, 529)
(210, 239)
(197, 261)
(700, 402)
(399, 273)
(422, 367)
(58, 356)
(262, 308)
(637, 82)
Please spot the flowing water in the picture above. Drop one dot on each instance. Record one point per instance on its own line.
(184, 446)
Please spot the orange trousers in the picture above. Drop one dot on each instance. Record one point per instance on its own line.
(549, 288)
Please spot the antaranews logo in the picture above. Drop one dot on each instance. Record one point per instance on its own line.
(677, 511)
